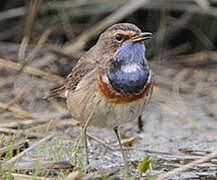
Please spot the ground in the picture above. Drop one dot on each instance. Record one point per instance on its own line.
(180, 125)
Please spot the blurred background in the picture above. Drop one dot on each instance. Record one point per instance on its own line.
(41, 41)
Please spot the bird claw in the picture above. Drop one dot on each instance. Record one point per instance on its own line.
(90, 170)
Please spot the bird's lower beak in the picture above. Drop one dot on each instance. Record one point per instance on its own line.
(141, 36)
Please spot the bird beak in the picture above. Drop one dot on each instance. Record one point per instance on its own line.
(141, 36)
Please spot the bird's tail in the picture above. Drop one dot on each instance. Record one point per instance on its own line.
(56, 92)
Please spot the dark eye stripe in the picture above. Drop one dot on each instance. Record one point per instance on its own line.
(126, 37)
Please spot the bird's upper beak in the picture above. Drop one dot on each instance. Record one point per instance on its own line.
(141, 36)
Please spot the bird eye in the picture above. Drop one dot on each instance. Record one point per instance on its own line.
(119, 37)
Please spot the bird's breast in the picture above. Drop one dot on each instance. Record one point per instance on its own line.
(130, 78)
(115, 97)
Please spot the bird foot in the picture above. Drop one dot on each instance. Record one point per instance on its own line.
(90, 170)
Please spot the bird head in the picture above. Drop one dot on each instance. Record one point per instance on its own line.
(123, 53)
(118, 35)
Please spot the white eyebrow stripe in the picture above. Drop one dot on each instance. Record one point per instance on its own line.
(130, 68)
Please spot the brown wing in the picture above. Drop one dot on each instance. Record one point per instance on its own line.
(77, 74)
(83, 66)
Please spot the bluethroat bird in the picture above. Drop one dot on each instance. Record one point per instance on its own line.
(113, 78)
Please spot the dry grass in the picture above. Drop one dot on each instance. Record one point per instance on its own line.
(34, 140)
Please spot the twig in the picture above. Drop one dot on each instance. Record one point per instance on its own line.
(189, 165)
(101, 175)
(99, 141)
(47, 6)
(204, 4)
(25, 176)
(185, 7)
(16, 123)
(39, 45)
(126, 141)
(26, 133)
(36, 49)
(196, 58)
(30, 70)
(73, 175)
(81, 40)
(22, 49)
(48, 165)
(17, 97)
(16, 146)
(172, 52)
(197, 31)
(12, 160)
(47, 126)
(32, 10)
(12, 13)
(18, 112)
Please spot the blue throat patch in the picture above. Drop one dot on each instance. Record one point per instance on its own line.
(129, 73)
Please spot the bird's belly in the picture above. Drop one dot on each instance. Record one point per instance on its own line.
(104, 114)
(111, 115)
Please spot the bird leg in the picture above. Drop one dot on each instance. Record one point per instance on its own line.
(89, 169)
(86, 145)
(140, 124)
(115, 129)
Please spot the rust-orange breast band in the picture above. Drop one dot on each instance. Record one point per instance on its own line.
(120, 98)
